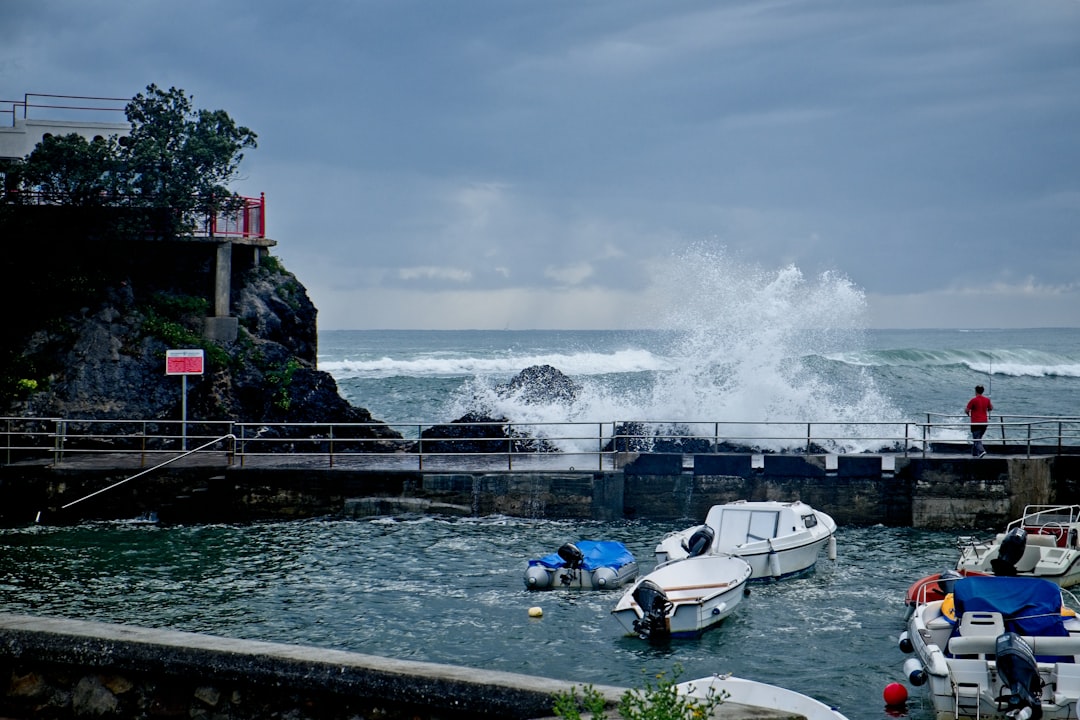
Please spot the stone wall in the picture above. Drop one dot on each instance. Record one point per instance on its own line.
(943, 492)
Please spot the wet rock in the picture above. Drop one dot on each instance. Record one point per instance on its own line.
(540, 384)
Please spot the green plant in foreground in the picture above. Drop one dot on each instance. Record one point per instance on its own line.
(659, 702)
(569, 706)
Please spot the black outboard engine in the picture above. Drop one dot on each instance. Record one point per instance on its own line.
(1019, 671)
(655, 607)
(700, 541)
(1012, 549)
(573, 557)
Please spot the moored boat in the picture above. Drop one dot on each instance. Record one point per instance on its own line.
(777, 539)
(586, 564)
(997, 647)
(935, 586)
(683, 598)
(1043, 543)
(758, 696)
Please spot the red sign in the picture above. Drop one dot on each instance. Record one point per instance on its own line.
(183, 362)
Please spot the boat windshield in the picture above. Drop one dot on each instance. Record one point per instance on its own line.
(737, 526)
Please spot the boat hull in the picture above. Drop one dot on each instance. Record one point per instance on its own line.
(538, 577)
(778, 540)
(759, 696)
(702, 592)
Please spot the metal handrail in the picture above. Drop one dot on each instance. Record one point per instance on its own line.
(37, 438)
(149, 470)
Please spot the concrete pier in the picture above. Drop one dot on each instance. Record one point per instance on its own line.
(932, 492)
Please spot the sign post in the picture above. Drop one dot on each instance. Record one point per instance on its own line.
(183, 363)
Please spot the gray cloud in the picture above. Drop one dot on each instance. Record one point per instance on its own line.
(422, 154)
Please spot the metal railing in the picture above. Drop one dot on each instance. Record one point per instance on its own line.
(246, 220)
(61, 102)
(509, 445)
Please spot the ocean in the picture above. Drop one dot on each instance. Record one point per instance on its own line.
(451, 590)
(721, 374)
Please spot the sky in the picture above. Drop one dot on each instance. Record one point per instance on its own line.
(457, 164)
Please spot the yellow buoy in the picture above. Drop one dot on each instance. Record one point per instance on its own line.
(536, 612)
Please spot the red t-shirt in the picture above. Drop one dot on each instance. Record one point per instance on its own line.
(978, 408)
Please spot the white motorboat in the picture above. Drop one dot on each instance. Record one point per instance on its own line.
(586, 564)
(996, 647)
(757, 695)
(778, 539)
(1043, 543)
(683, 598)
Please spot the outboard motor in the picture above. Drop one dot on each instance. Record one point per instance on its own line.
(655, 607)
(1019, 671)
(573, 557)
(700, 541)
(1012, 549)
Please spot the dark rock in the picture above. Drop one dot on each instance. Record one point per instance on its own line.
(540, 384)
(475, 433)
(103, 358)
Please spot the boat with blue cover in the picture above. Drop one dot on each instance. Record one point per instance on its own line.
(586, 564)
(996, 647)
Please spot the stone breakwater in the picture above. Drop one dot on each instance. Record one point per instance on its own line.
(945, 491)
(60, 668)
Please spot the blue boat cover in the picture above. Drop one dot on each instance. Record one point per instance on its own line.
(1029, 606)
(598, 554)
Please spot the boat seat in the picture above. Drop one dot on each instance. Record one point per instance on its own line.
(981, 624)
(1066, 679)
(1030, 557)
(1042, 540)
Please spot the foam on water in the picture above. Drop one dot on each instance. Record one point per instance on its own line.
(745, 344)
(1004, 362)
(456, 365)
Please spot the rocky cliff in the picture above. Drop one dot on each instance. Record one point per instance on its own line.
(99, 352)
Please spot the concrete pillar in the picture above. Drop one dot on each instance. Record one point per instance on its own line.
(222, 327)
(222, 279)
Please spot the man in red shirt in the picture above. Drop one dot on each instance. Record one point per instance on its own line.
(978, 409)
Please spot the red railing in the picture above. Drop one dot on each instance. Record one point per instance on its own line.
(247, 221)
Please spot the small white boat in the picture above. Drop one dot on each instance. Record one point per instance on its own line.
(778, 539)
(758, 696)
(996, 647)
(683, 598)
(1044, 543)
(586, 564)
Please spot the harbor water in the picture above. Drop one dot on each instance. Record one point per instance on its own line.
(733, 345)
(451, 590)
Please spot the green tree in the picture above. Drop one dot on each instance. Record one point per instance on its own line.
(178, 158)
(176, 163)
(73, 171)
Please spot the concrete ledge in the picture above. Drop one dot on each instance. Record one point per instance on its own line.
(56, 667)
(33, 645)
